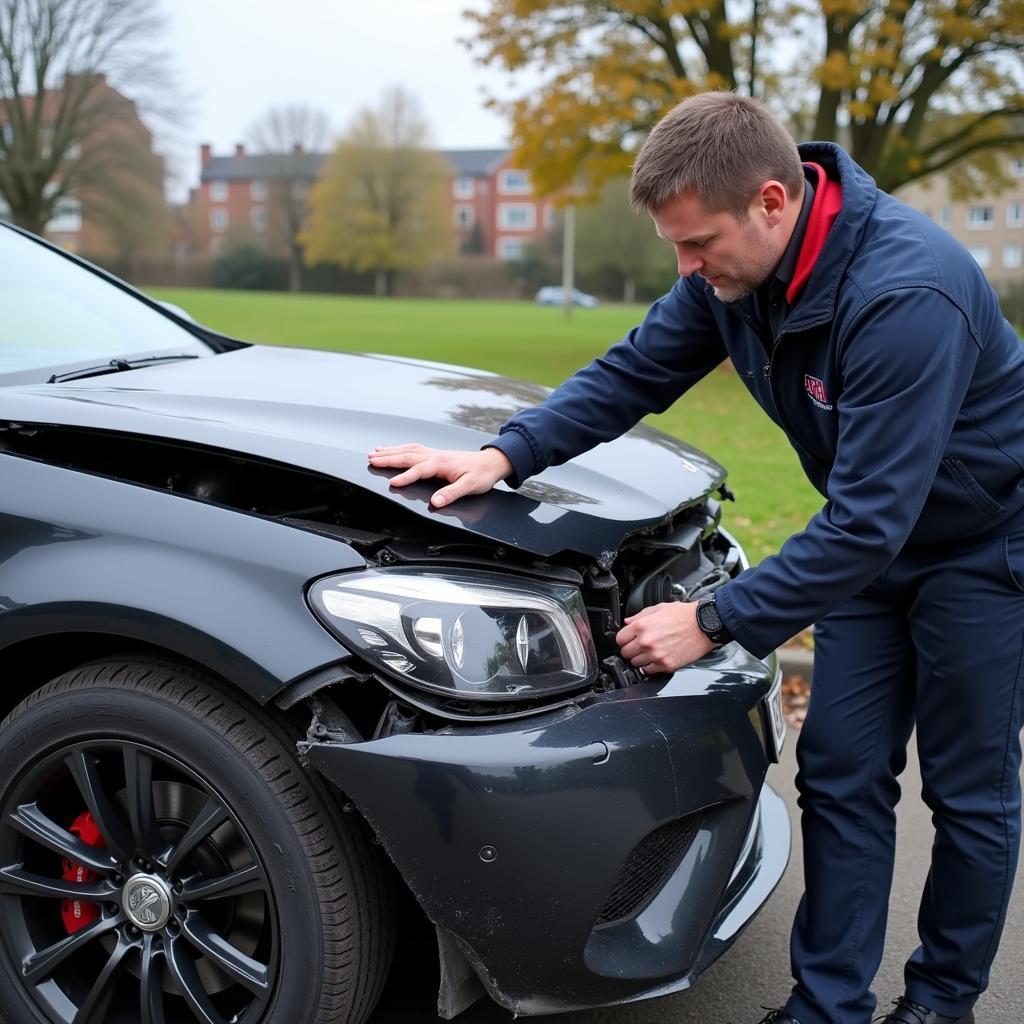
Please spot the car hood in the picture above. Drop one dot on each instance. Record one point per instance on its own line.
(323, 411)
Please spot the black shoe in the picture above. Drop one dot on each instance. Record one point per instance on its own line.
(778, 1017)
(908, 1012)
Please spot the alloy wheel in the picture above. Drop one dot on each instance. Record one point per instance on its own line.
(167, 917)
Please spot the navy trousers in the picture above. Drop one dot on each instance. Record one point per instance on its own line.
(935, 643)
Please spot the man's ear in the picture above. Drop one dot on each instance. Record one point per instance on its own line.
(771, 202)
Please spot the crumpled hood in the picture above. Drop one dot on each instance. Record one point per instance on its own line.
(323, 411)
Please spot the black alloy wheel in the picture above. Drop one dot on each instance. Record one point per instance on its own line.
(165, 860)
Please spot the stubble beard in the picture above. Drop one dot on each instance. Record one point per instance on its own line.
(749, 274)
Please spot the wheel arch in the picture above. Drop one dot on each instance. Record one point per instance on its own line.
(30, 663)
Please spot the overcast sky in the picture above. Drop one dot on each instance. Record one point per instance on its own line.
(238, 58)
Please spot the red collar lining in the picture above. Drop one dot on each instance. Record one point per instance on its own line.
(828, 200)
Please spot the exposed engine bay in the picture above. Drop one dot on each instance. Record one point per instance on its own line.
(680, 559)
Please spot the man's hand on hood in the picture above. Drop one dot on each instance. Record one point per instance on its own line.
(468, 472)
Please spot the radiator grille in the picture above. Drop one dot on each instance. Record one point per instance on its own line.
(648, 867)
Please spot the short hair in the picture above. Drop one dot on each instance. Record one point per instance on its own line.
(719, 145)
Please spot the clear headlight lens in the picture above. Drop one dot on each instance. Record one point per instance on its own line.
(471, 634)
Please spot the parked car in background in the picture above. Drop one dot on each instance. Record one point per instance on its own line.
(250, 693)
(554, 295)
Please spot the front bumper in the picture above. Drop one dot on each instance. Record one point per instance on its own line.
(600, 854)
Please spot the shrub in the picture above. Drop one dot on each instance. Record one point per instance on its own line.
(248, 266)
(1011, 298)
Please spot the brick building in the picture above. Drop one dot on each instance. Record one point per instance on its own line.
(111, 124)
(241, 198)
(991, 227)
(256, 198)
(494, 211)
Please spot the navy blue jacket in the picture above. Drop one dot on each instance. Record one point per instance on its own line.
(895, 377)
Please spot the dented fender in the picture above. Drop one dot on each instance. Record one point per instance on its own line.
(86, 554)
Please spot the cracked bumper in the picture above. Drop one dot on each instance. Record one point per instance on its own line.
(537, 844)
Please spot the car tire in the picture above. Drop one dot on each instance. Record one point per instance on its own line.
(303, 930)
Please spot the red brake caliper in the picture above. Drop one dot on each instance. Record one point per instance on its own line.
(77, 915)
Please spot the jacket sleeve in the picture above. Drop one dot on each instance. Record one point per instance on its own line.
(676, 345)
(906, 366)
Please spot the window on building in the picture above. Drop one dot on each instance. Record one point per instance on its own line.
(1015, 215)
(67, 215)
(218, 219)
(8, 129)
(258, 218)
(510, 248)
(943, 217)
(74, 150)
(257, 191)
(218, 191)
(463, 215)
(1013, 255)
(1017, 166)
(462, 187)
(517, 216)
(514, 182)
(981, 218)
(981, 254)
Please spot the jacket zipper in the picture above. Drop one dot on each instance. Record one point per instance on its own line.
(778, 408)
(783, 420)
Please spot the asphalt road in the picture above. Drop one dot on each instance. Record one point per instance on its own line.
(756, 969)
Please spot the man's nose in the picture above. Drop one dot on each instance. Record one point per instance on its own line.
(688, 264)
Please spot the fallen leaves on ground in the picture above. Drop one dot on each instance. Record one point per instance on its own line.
(796, 692)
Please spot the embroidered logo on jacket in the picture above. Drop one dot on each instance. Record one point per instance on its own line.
(815, 388)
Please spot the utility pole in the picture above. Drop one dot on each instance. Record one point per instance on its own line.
(568, 255)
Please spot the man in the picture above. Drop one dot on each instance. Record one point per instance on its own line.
(870, 336)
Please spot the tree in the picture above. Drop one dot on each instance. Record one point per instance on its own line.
(66, 129)
(911, 86)
(289, 140)
(380, 204)
(612, 240)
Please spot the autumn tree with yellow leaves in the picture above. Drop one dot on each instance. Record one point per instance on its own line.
(911, 87)
(380, 203)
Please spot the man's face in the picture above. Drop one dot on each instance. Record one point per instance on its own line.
(735, 257)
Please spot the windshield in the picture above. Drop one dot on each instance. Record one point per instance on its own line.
(58, 315)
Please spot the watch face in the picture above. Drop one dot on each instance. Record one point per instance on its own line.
(708, 618)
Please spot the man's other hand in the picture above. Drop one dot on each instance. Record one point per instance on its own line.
(663, 637)
(468, 472)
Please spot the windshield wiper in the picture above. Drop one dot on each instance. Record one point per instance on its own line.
(115, 366)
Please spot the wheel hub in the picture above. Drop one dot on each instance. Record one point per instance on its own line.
(147, 901)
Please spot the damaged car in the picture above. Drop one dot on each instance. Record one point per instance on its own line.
(253, 700)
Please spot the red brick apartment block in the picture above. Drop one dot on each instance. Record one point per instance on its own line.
(493, 210)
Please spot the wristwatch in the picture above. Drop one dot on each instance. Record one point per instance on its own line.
(710, 621)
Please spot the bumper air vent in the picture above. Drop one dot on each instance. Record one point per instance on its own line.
(648, 867)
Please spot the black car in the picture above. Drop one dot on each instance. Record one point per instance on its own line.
(254, 698)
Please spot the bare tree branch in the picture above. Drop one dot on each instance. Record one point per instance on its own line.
(285, 137)
(65, 69)
(979, 145)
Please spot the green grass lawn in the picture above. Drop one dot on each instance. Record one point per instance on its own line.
(522, 340)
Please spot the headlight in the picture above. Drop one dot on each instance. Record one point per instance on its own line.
(471, 634)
